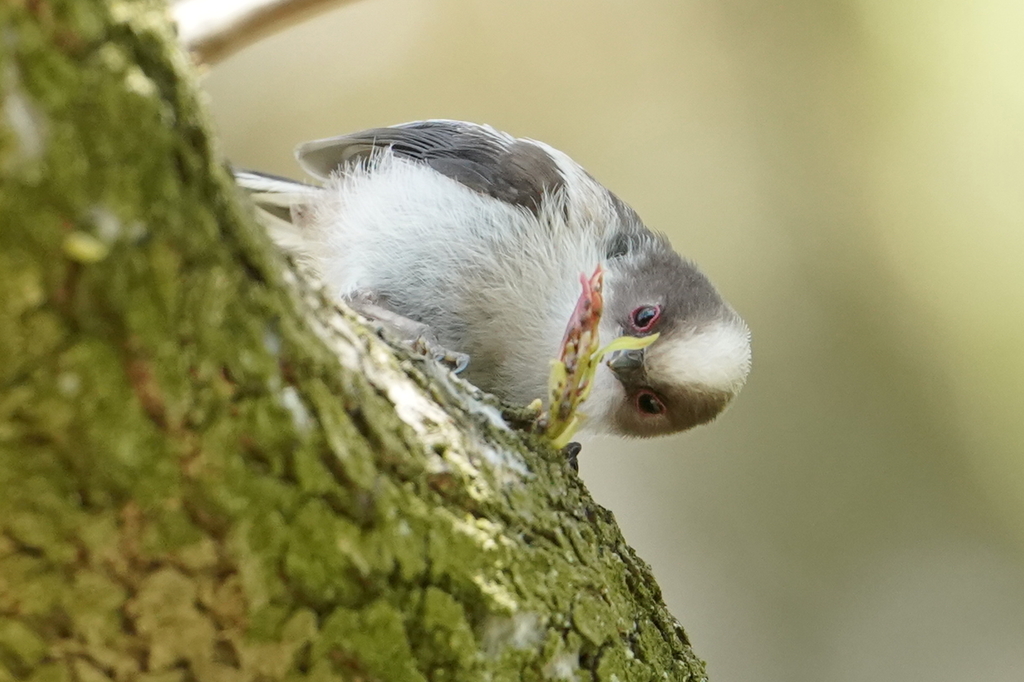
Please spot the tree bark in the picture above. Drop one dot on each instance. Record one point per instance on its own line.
(207, 471)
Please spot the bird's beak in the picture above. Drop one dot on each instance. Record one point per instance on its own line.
(627, 363)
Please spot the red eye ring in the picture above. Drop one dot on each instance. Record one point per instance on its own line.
(649, 403)
(645, 317)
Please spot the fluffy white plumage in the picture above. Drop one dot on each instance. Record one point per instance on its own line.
(389, 221)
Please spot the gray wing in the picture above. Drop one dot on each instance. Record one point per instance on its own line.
(481, 158)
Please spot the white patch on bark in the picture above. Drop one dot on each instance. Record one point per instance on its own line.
(563, 666)
(291, 401)
(22, 118)
(520, 631)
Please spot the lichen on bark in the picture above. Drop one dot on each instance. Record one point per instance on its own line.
(209, 472)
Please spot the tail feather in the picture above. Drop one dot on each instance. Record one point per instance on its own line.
(277, 202)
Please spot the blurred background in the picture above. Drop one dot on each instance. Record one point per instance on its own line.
(850, 173)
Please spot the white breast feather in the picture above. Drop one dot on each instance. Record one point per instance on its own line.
(396, 225)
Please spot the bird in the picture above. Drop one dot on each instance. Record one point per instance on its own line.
(471, 242)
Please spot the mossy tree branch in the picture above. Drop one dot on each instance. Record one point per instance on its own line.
(207, 471)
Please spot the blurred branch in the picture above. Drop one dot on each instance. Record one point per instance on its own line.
(212, 30)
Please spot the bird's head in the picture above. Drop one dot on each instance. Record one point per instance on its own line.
(698, 363)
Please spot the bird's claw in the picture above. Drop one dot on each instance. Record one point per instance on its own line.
(453, 360)
(456, 362)
(572, 453)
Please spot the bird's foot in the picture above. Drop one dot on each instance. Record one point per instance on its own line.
(572, 453)
(418, 335)
(453, 360)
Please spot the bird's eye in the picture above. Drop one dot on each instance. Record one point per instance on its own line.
(648, 403)
(645, 316)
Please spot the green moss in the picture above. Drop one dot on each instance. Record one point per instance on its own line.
(446, 645)
(194, 486)
(324, 558)
(370, 642)
(50, 672)
(92, 605)
(617, 665)
(592, 619)
(21, 649)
